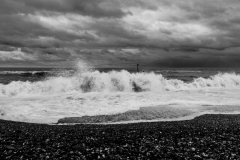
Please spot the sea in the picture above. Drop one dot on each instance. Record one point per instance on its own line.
(45, 95)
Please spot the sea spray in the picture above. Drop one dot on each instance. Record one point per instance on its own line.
(83, 67)
(88, 80)
(88, 92)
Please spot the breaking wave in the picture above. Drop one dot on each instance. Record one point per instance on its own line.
(114, 81)
(112, 95)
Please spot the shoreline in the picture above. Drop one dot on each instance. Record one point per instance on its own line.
(186, 118)
(180, 119)
(151, 114)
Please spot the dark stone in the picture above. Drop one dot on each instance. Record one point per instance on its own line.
(205, 137)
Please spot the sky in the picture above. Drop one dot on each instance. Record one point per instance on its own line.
(120, 33)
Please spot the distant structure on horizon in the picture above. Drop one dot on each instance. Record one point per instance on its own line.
(137, 68)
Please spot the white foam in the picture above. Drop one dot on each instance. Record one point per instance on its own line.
(122, 81)
(90, 92)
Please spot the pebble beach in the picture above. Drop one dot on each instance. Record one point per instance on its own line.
(204, 137)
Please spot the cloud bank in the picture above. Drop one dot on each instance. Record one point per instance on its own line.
(110, 33)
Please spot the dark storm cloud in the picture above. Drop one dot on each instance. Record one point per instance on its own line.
(93, 8)
(188, 49)
(235, 20)
(170, 33)
(206, 10)
(115, 29)
(17, 31)
(165, 31)
(6, 48)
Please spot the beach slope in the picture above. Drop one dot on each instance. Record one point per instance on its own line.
(204, 137)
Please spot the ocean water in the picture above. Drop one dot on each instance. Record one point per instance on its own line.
(44, 95)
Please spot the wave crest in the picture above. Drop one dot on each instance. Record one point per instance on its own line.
(115, 81)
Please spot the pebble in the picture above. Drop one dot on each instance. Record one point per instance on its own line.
(205, 137)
